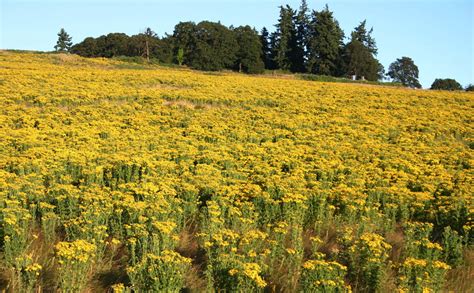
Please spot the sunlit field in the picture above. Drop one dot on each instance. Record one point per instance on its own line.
(123, 177)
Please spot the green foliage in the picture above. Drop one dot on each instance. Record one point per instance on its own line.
(64, 41)
(284, 39)
(180, 56)
(447, 84)
(405, 71)
(325, 43)
(327, 78)
(159, 273)
(361, 34)
(213, 47)
(266, 49)
(249, 53)
(360, 62)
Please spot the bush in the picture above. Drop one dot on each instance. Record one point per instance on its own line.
(446, 84)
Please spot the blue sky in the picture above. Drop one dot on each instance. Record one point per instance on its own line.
(436, 34)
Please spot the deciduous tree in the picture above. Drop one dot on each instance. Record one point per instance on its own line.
(405, 71)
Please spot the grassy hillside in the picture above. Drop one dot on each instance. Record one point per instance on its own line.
(136, 177)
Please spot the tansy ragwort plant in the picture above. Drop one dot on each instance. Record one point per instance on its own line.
(170, 179)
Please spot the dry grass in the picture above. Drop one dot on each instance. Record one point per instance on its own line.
(461, 279)
(66, 58)
(188, 105)
(188, 246)
(397, 240)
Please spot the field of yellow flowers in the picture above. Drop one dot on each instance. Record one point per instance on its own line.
(121, 177)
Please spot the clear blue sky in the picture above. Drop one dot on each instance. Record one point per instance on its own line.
(436, 34)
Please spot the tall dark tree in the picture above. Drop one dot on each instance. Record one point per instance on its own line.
(64, 42)
(359, 55)
(86, 48)
(285, 39)
(360, 62)
(184, 38)
(214, 47)
(248, 56)
(364, 36)
(114, 44)
(299, 52)
(266, 49)
(164, 49)
(405, 71)
(326, 41)
(447, 84)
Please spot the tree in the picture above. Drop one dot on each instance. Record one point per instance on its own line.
(265, 40)
(326, 41)
(149, 37)
(184, 38)
(446, 84)
(360, 62)
(300, 50)
(285, 39)
(470, 88)
(249, 54)
(405, 71)
(86, 48)
(213, 47)
(64, 41)
(361, 34)
(114, 44)
(180, 56)
(359, 55)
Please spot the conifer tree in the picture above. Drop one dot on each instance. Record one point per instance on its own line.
(299, 52)
(361, 34)
(285, 39)
(266, 48)
(326, 41)
(64, 41)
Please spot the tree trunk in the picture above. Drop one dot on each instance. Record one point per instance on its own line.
(147, 51)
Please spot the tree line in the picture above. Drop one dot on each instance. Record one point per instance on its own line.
(304, 41)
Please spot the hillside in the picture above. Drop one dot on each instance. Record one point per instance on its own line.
(153, 178)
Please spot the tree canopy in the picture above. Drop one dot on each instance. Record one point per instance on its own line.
(405, 71)
(446, 84)
(303, 40)
(64, 42)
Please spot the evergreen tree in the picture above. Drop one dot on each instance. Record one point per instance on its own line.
(299, 52)
(285, 39)
(405, 71)
(249, 58)
(359, 55)
(64, 41)
(361, 34)
(266, 49)
(326, 41)
(360, 62)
